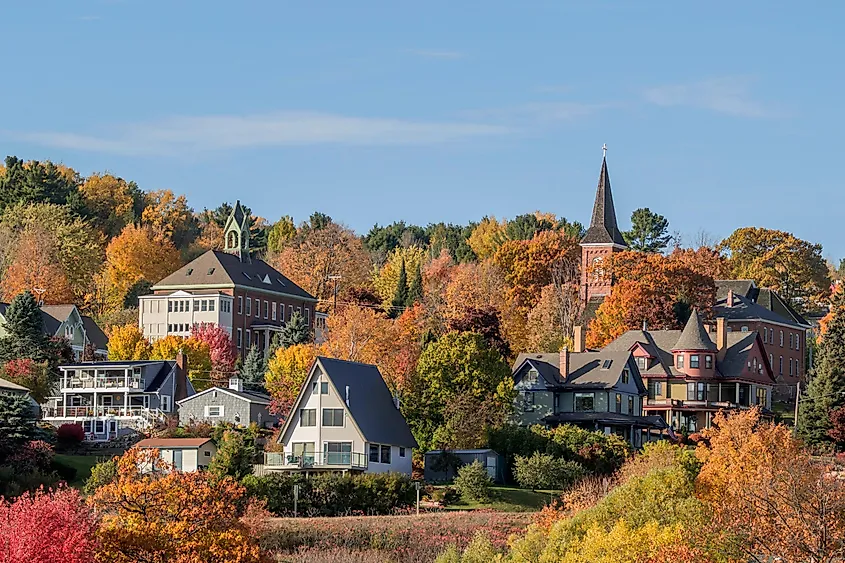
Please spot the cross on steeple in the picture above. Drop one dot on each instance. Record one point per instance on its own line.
(604, 150)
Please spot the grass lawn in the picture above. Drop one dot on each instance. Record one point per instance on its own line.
(82, 464)
(510, 499)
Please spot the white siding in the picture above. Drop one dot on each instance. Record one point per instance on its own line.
(154, 318)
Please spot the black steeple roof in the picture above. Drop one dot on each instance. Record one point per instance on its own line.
(694, 336)
(603, 227)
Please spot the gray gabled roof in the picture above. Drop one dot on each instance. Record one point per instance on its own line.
(95, 334)
(747, 310)
(216, 267)
(603, 227)
(6, 385)
(586, 369)
(370, 402)
(249, 396)
(779, 310)
(694, 335)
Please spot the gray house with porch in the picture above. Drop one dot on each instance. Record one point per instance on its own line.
(233, 405)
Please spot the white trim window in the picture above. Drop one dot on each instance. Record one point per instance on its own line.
(214, 411)
(240, 337)
(333, 417)
(275, 310)
(165, 403)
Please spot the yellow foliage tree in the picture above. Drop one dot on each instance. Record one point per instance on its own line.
(286, 371)
(110, 200)
(386, 279)
(198, 354)
(487, 237)
(152, 513)
(170, 216)
(128, 343)
(624, 544)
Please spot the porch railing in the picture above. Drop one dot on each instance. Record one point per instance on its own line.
(111, 382)
(316, 460)
(91, 411)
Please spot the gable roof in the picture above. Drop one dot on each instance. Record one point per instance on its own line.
(6, 385)
(54, 315)
(694, 335)
(218, 268)
(249, 396)
(779, 310)
(744, 309)
(603, 227)
(173, 442)
(95, 334)
(586, 369)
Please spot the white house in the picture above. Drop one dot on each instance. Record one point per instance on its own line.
(344, 420)
(184, 454)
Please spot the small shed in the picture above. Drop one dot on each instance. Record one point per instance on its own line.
(185, 454)
(443, 465)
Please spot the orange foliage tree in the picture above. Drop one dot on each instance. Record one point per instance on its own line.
(766, 493)
(36, 268)
(151, 513)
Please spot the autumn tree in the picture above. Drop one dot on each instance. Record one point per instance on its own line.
(127, 342)
(152, 513)
(198, 355)
(386, 281)
(358, 334)
(221, 349)
(781, 261)
(826, 391)
(487, 236)
(38, 377)
(286, 372)
(485, 322)
(314, 254)
(649, 231)
(111, 202)
(47, 526)
(170, 216)
(36, 267)
(767, 494)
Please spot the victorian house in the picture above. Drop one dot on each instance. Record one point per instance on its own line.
(229, 288)
(86, 338)
(690, 377)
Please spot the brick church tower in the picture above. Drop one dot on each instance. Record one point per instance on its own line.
(602, 239)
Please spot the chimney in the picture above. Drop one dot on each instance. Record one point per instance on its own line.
(645, 325)
(396, 401)
(236, 384)
(730, 300)
(181, 390)
(564, 363)
(347, 395)
(578, 339)
(721, 337)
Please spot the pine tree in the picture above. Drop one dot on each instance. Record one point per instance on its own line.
(253, 367)
(415, 292)
(400, 298)
(294, 332)
(25, 336)
(234, 457)
(17, 423)
(826, 391)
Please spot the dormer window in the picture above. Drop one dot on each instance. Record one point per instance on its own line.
(642, 362)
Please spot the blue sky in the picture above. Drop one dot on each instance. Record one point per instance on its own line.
(717, 115)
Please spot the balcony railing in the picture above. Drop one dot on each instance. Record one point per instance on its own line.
(117, 382)
(693, 403)
(315, 460)
(91, 411)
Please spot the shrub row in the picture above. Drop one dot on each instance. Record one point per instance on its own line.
(333, 495)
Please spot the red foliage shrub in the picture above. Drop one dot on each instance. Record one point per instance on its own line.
(18, 368)
(45, 527)
(70, 434)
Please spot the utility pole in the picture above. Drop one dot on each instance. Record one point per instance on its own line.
(39, 291)
(335, 277)
(797, 399)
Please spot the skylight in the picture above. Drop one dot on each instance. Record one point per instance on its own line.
(210, 271)
(280, 281)
(606, 364)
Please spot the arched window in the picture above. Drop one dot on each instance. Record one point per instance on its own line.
(232, 240)
(598, 270)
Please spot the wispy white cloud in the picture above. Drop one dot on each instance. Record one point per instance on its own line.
(540, 112)
(730, 95)
(438, 54)
(195, 134)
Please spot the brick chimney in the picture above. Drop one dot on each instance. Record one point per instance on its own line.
(578, 339)
(181, 390)
(721, 336)
(730, 299)
(564, 363)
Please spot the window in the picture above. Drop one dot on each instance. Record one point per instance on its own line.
(625, 375)
(641, 362)
(781, 339)
(181, 306)
(385, 454)
(584, 402)
(99, 426)
(240, 337)
(240, 305)
(257, 308)
(169, 328)
(744, 329)
(528, 401)
(531, 377)
(338, 453)
(86, 426)
(765, 335)
(401, 451)
(266, 310)
(606, 364)
(275, 309)
(324, 388)
(619, 402)
(332, 417)
(206, 453)
(374, 453)
(303, 449)
(693, 361)
(248, 306)
(314, 388)
(762, 397)
(214, 411)
(211, 305)
(790, 341)
(790, 366)
(708, 362)
(209, 272)
(780, 365)
(165, 403)
(655, 388)
(170, 306)
(308, 417)
(695, 391)
(630, 404)
(290, 311)
(204, 305)
(679, 361)
(248, 338)
(771, 360)
(197, 304)
(307, 316)
(797, 340)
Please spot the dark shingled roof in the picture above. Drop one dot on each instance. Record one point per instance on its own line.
(654, 421)
(603, 227)
(766, 298)
(585, 368)
(694, 335)
(746, 309)
(95, 334)
(370, 402)
(216, 267)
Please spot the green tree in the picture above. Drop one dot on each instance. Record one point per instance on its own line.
(282, 231)
(24, 327)
(295, 331)
(473, 482)
(543, 471)
(235, 456)
(524, 227)
(459, 363)
(17, 423)
(826, 391)
(253, 367)
(415, 291)
(103, 473)
(452, 238)
(36, 182)
(400, 297)
(381, 241)
(649, 231)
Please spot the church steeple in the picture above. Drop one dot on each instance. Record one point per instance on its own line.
(236, 233)
(603, 228)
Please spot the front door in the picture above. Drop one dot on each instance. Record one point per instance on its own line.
(112, 429)
(177, 459)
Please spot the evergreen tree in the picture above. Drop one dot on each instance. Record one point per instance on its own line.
(25, 336)
(235, 456)
(17, 423)
(826, 390)
(400, 298)
(415, 292)
(294, 332)
(649, 231)
(253, 367)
